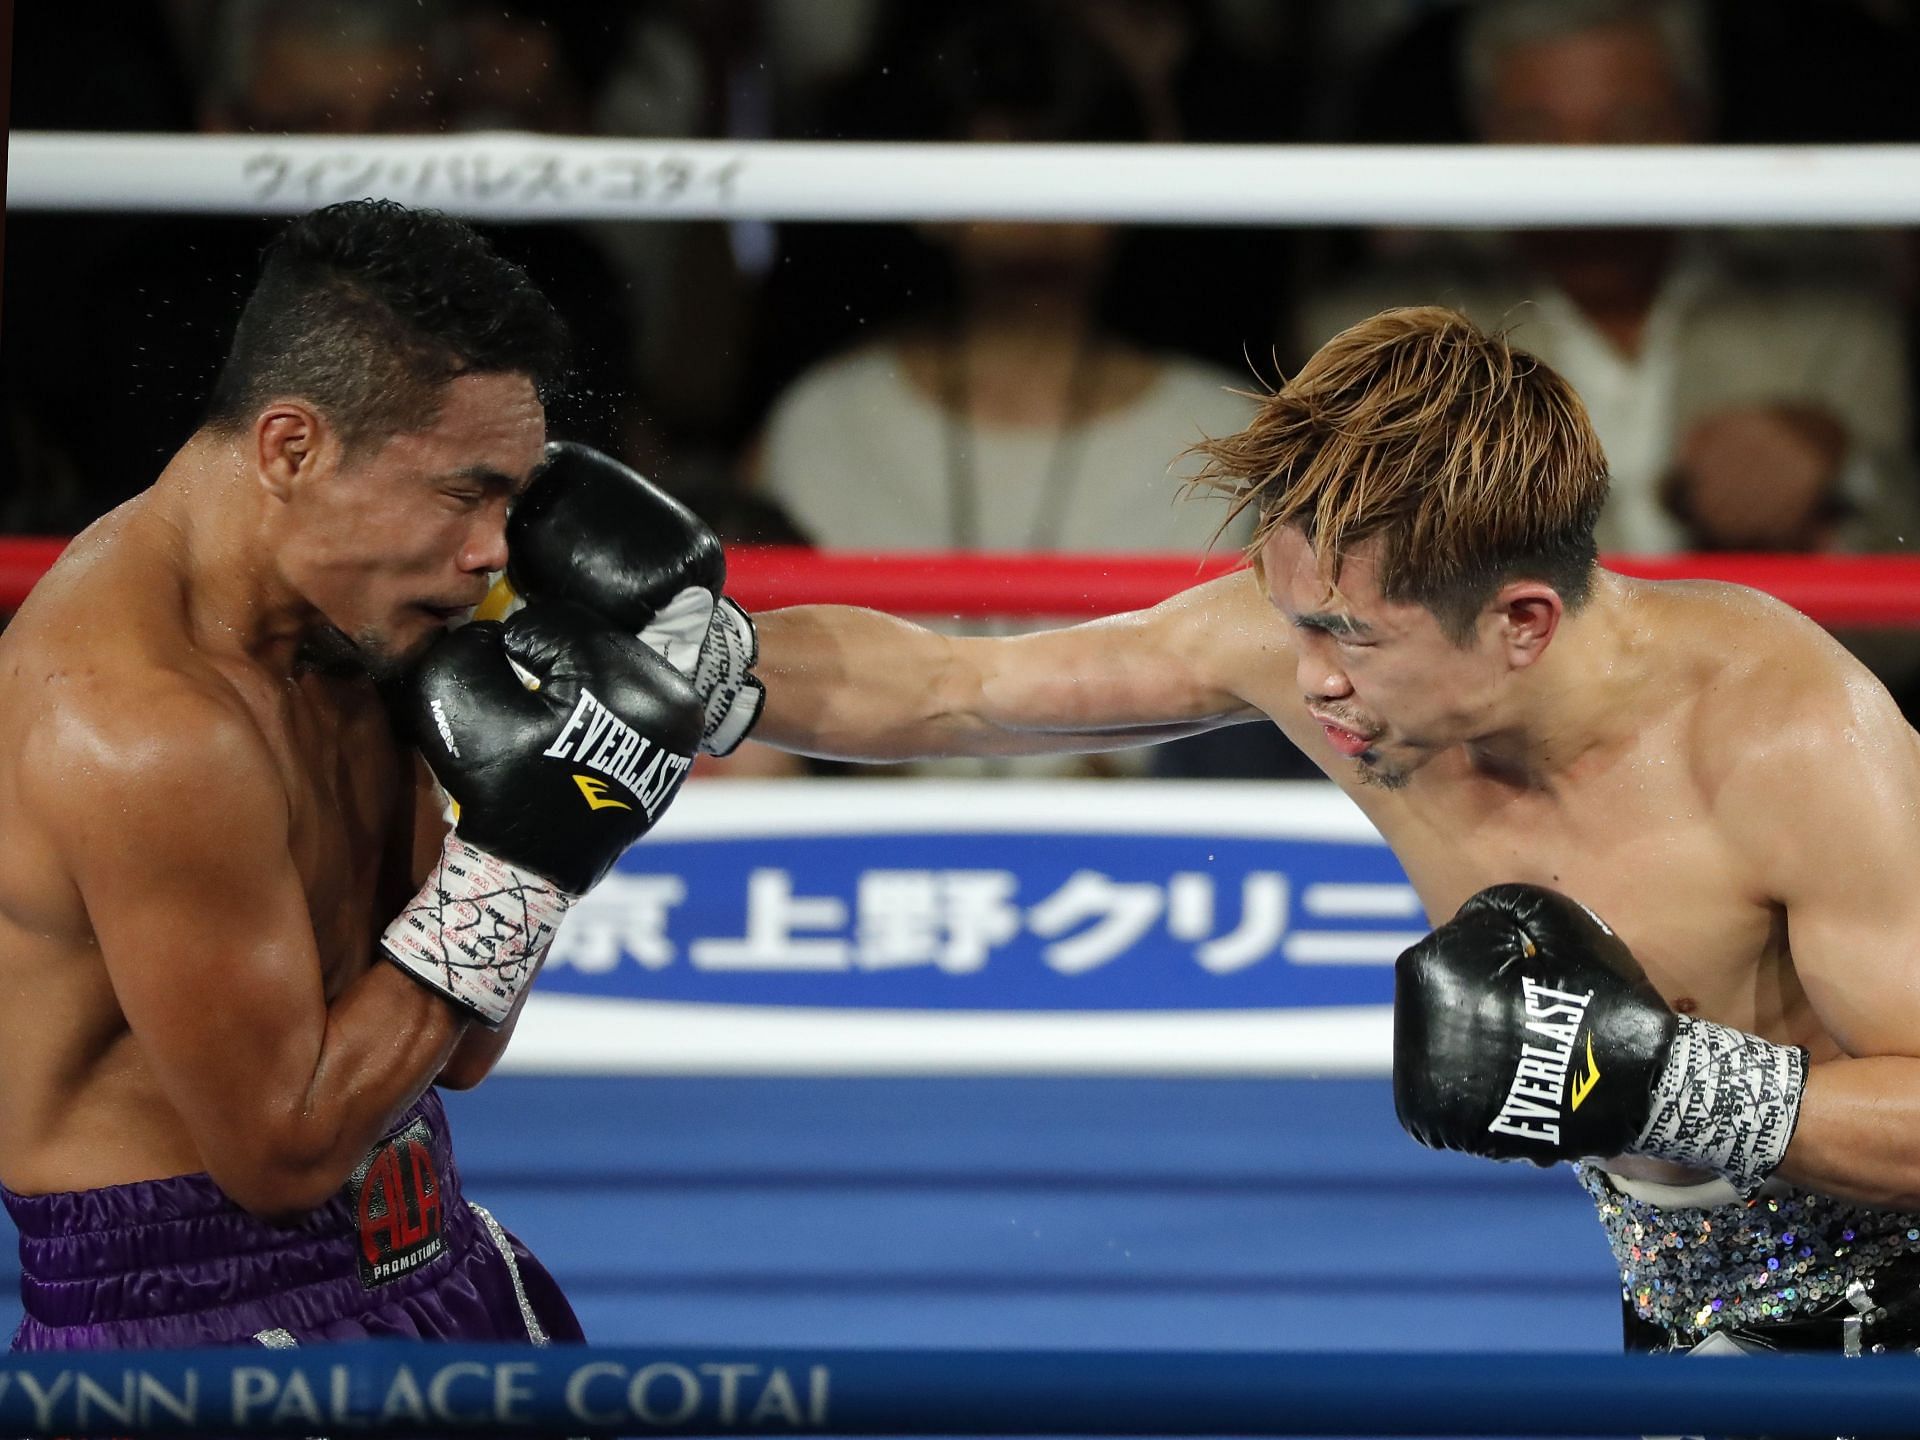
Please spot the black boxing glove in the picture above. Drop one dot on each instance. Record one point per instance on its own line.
(1525, 1030)
(561, 740)
(594, 532)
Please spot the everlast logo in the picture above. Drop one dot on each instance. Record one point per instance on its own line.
(1532, 1108)
(600, 740)
(396, 1202)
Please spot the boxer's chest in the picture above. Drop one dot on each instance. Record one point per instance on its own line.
(1649, 861)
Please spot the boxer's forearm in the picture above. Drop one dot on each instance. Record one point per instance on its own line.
(852, 684)
(385, 1038)
(479, 1050)
(1858, 1135)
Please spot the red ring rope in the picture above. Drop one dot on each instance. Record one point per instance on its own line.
(1836, 590)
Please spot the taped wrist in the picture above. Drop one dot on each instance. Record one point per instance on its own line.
(1726, 1101)
(478, 929)
(723, 679)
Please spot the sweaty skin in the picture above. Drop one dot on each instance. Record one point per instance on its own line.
(205, 833)
(1701, 765)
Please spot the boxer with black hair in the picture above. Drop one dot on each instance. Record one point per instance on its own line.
(254, 946)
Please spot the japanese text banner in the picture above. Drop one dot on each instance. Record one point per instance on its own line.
(911, 926)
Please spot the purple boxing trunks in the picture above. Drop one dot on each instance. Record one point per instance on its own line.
(174, 1263)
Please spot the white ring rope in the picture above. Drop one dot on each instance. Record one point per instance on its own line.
(521, 176)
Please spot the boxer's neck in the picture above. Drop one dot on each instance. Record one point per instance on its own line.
(216, 526)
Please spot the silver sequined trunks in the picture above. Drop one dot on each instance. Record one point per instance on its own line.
(1783, 1255)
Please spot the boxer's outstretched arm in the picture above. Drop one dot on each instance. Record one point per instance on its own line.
(172, 819)
(858, 685)
(1832, 808)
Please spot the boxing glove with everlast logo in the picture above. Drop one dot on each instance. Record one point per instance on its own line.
(561, 740)
(1524, 1029)
(592, 531)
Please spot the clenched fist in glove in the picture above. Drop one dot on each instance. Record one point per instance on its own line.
(594, 532)
(562, 740)
(1525, 1030)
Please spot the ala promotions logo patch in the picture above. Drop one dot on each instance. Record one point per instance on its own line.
(396, 1206)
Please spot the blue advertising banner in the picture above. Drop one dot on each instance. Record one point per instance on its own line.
(984, 925)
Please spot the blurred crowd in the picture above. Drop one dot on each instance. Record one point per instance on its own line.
(1025, 387)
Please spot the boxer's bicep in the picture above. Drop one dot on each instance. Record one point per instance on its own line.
(1844, 839)
(1840, 847)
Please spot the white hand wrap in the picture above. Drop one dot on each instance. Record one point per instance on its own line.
(1726, 1101)
(478, 929)
(710, 642)
(714, 645)
(725, 681)
(678, 633)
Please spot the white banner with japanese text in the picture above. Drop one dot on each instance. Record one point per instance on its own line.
(912, 926)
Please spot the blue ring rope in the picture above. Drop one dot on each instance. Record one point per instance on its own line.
(397, 1387)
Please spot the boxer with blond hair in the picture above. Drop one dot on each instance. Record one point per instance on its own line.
(1731, 1052)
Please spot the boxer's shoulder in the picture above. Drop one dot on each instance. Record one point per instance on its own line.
(1789, 739)
(1229, 621)
(1716, 617)
(1750, 675)
(127, 665)
(1802, 698)
(114, 706)
(115, 604)
(1216, 647)
(128, 738)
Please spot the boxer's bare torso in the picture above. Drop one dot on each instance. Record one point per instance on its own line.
(107, 659)
(1649, 825)
(1634, 826)
(1677, 805)
(207, 818)
(1693, 766)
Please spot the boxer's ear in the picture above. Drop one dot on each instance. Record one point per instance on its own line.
(288, 439)
(1529, 614)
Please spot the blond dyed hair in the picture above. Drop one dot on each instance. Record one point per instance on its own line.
(1473, 462)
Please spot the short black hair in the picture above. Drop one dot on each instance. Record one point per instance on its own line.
(369, 309)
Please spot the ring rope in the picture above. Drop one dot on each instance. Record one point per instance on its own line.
(1843, 591)
(508, 176)
(1838, 590)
